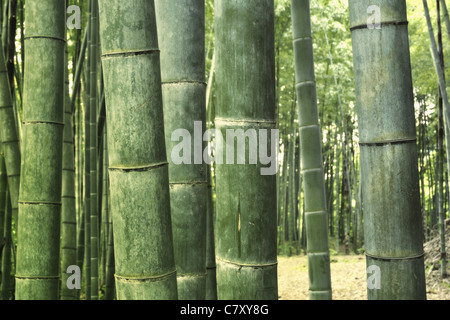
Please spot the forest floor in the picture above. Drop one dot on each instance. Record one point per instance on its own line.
(348, 277)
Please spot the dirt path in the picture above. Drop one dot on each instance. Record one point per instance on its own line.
(348, 279)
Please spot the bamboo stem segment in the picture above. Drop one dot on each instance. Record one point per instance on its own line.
(38, 274)
(138, 170)
(389, 175)
(181, 30)
(246, 219)
(316, 212)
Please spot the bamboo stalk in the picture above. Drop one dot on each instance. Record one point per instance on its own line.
(68, 213)
(9, 138)
(5, 290)
(246, 204)
(93, 52)
(440, 177)
(38, 273)
(184, 97)
(316, 212)
(138, 168)
(385, 108)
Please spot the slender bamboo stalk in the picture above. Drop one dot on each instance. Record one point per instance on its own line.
(389, 175)
(446, 18)
(11, 47)
(246, 204)
(109, 292)
(316, 212)
(9, 138)
(87, 167)
(184, 97)
(79, 67)
(443, 93)
(211, 279)
(338, 197)
(3, 199)
(5, 290)
(5, 26)
(93, 52)
(68, 213)
(441, 212)
(138, 168)
(80, 245)
(38, 274)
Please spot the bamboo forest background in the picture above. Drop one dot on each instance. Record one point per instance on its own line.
(332, 45)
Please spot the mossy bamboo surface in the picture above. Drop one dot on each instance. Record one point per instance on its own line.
(138, 168)
(246, 247)
(389, 175)
(181, 30)
(37, 273)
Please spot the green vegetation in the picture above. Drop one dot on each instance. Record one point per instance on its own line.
(87, 123)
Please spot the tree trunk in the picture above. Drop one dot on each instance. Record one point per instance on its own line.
(385, 107)
(138, 168)
(38, 274)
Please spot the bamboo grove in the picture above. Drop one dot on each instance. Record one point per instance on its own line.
(119, 179)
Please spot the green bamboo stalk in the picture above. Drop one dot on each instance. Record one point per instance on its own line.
(109, 290)
(68, 213)
(9, 138)
(79, 67)
(3, 188)
(93, 52)
(3, 196)
(389, 175)
(316, 212)
(441, 212)
(338, 198)
(446, 18)
(246, 252)
(22, 32)
(5, 290)
(184, 97)
(5, 25)
(38, 274)
(11, 47)
(293, 196)
(439, 63)
(211, 279)
(138, 168)
(87, 168)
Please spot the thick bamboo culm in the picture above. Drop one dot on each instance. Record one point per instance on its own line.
(246, 213)
(184, 99)
(38, 252)
(138, 167)
(385, 108)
